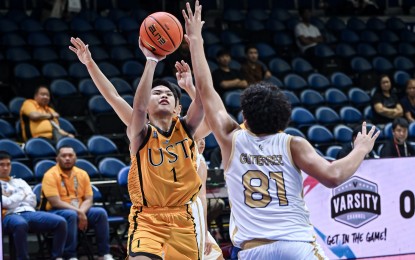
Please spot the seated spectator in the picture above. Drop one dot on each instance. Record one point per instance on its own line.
(225, 78)
(254, 70)
(38, 119)
(408, 101)
(18, 202)
(385, 103)
(398, 146)
(68, 191)
(307, 35)
(347, 148)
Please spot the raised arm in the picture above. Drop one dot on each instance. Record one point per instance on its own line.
(216, 114)
(185, 81)
(138, 125)
(105, 87)
(332, 174)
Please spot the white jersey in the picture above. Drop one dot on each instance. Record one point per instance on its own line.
(265, 190)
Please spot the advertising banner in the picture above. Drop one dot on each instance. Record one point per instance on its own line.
(370, 215)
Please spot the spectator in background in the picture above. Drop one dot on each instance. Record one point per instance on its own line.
(254, 70)
(19, 202)
(385, 103)
(408, 101)
(398, 146)
(182, 53)
(347, 148)
(38, 119)
(68, 191)
(225, 78)
(307, 35)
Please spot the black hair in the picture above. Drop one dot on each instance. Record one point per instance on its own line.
(162, 82)
(265, 108)
(222, 52)
(178, 91)
(400, 121)
(65, 146)
(250, 46)
(38, 88)
(302, 10)
(5, 155)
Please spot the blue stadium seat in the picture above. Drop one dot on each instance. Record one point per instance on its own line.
(8, 25)
(301, 66)
(238, 51)
(366, 50)
(12, 147)
(234, 17)
(87, 88)
(15, 104)
(368, 36)
(349, 36)
(302, 117)
(66, 98)
(113, 39)
(340, 80)
(317, 22)
(4, 111)
(333, 150)
(20, 170)
(254, 25)
(319, 135)
(274, 25)
(127, 24)
(294, 132)
(41, 167)
(294, 82)
(210, 142)
(335, 97)
(39, 39)
(13, 40)
(318, 81)
(122, 86)
(382, 65)
(345, 50)
(292, 97)
(91, 39)
(342, 134)
(356, 24)
(109, 70)
(403, 63)
(311, 98)
(389, 36)
(335, 24)
(54, 71)
(103, 116)
(281, 14)
(326, 116)
(101, 145)
(109, 167)
(395, 24)
(358, 97)
(387, 131)
(104, 24)
(265, 51)
(400, 78)
(79, 24)
(55, 25)
(279, 67)
(323, 51)
(89, 167)
(274, 80)
(375, 24)
(411, 131)
(258, 14)
(387, 49)
(232, 101)
(78, 71)
(38, 148)
(407, 36)
(132, 69)
(360, 65)
(18, 55)
(230, 37)
(350, 115)
(367, 113)
(29, 25)
(210, 38)
(7, 130)
(44, 55)
(67, 126)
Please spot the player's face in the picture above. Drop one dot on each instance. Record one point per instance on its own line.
(5, 168)
(252, 55)
(400, 134)
(42, 97)
(162, 99)
(66, 158)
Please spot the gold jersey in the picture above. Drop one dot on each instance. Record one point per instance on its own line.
(163, 172)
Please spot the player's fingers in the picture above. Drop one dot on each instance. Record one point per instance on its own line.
(186, 18)
(73, 49)
(189, 9)
(75, 43)
(364, 129)
(83, 44)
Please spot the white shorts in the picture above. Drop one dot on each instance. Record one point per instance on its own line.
(286, 250)
(199, 219)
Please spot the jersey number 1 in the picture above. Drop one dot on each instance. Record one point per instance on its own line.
(263, 189)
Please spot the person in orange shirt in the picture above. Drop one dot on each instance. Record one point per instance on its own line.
(38, 119)
(68, 191)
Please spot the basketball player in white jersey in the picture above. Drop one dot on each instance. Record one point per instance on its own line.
(269, 219)
(124, 111)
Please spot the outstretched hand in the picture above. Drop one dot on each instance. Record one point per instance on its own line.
(366, 139)
(184, 75)
(193, 22)
(81, 50)
(147, 53)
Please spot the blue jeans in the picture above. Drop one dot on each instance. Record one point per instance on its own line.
(97, 219)
(21, 223)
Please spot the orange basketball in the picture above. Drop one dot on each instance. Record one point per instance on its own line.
(161, 33)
